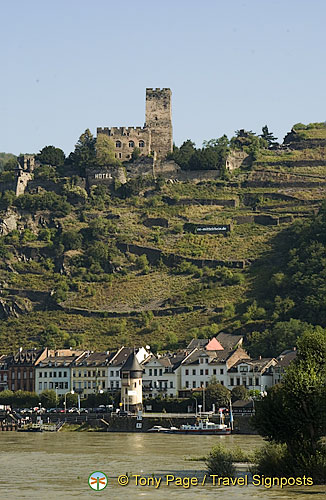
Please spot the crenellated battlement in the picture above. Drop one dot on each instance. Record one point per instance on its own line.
(122, 131)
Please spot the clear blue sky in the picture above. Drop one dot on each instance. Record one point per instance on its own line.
(75, 64)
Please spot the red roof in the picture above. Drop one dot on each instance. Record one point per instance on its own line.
(214, 345)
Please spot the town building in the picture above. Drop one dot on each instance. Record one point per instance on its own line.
(21, 369)
(4, 363)
(254, 374)
(283, 362)
(160, 376)
(90, 373)
(54, 371)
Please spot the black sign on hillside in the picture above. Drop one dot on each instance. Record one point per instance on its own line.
(207, 228)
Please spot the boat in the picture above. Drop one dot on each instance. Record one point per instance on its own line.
(158, 428)
(202, 426)
(31, 428)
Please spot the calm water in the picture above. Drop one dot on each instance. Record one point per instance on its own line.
(57, 466)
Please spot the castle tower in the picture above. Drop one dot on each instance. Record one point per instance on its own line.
(131, 384)
(159, 121)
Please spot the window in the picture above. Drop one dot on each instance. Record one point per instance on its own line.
(161, 371)
(194, 372)
(150, 372)
(201, 372)
(89, 374)
(25, 375)
(40, 375)
(214, 371)
(131, 144)
(193, 384)
(187, 372)
(187, 384)
(206, 372)
(118, 144)
(111, 373)
(50, 374)
(60, 374)
(103, 373)
(94, 385)
(117, 384)
(79, 373)
(232, 381)
(45, 374)
(120, 155)
(250, 380)
(85, 385)
(171, 385)
(222, 383)
(221, 371)
(89, 384)
(40, 386)
(155, 372)
(85, 373)
(238, 381)
(141, 144)
(18, 375)
(117, 373)
(65, 374)
(257, 381)
(30, 374)
(103, 384)
(45, 385)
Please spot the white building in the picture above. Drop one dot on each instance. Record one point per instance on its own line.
(118, 360)
(54, 372)
(252, 373)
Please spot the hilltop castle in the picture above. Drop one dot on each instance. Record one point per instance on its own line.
(156, 135)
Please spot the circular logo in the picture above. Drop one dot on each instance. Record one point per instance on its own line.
(98, 481)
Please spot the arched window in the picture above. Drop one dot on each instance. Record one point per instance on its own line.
(141, 144)
(131, 144)
(118, 144)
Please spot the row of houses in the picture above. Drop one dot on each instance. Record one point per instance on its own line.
(176, 374)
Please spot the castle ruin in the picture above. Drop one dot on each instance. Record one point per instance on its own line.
(156, 135)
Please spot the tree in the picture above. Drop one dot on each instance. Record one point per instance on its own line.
(268, 136)
(239, 392)
(48, 398)
(294, 411)
(50, 155)
(105, 152)
(84, 155)
(217, 394)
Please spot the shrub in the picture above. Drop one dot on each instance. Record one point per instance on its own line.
(220, 462)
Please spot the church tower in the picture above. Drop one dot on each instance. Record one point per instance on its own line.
(131, 384)
(159, 121)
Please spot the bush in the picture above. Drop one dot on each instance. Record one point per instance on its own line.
(220, 462)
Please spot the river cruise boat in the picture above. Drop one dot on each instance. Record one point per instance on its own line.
(203, 426)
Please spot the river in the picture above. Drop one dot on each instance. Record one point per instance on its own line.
(57, 466)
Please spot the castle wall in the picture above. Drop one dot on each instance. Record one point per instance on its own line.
(126, 139)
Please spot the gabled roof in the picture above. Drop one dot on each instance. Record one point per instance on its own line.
(286, 357)
(229, 340)
(214, 345)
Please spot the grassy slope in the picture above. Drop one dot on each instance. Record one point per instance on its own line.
(161, 287)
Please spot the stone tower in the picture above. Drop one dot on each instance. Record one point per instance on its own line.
(159, 121)
(131, 384)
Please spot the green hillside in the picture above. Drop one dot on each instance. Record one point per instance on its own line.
(68, 276)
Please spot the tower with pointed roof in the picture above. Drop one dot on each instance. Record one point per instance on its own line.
(131, 384)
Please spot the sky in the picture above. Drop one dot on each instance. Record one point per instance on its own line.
(76, 64)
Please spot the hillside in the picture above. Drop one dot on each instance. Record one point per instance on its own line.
(102, 267)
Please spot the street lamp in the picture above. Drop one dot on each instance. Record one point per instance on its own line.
(69, 392)
(196, 404)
